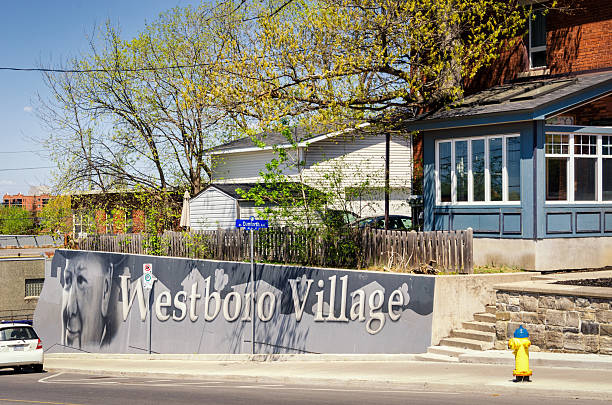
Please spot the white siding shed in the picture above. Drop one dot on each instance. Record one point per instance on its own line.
(212, 209)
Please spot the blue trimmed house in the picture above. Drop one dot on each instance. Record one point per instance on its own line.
(528, 166)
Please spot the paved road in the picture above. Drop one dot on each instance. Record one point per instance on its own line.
(82, 389)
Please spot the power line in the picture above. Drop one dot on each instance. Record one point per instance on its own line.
(26, 168)
(116, 70)
(23, 151)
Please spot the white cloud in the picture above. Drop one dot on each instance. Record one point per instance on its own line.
(28, 108)
(7, 183)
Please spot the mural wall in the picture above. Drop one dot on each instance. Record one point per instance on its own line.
(99, 302)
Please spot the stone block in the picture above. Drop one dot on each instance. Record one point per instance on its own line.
(529, 303)
(502, 297)
(589, 328)
(554, 317)
(605, 329)
(573, 342)
(500, 307)
(565, 303)
(500, 345)
(537, 338)
(605, 345)
(514, 300)
(591, 344)
(604, 316)
(554, 340)
(502, 316)
(587, 315)
(582, 302)
(546, 302)
(530, 317)
(552, 328)
(512, 326)
(516, 316)
(572, 319)
(600, 304)
(571, 330)
(501, 330)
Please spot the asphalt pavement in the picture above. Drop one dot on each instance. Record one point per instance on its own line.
(63, 388)
(349, 372)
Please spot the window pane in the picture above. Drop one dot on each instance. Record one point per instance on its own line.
(513, 167)
(445, 171)
(495, 168)
(538, 59)
(606, 168)
(478, 169)
(585, 179)
(557, 144)
(585, 144)
(556, 179)
(538, 29)
(461, 167)
(606, 142)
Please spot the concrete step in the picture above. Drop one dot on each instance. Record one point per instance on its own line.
(481, 326)
(466, 343)
(440, 358)
(447, 351)
(490, 309)
(473, 335)
(485, 317)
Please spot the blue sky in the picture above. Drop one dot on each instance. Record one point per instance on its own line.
(36, 31)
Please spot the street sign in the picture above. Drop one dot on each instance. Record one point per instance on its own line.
(252, 224)
(147, 276)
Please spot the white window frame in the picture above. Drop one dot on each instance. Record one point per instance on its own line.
(535, 48)
(487, 174)
(570, 168)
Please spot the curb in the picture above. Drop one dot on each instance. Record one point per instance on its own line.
(237, 357)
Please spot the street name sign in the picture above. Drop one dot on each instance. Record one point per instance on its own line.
(252, 224)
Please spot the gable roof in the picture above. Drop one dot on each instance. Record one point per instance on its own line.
(230, 189)
(303, 137)
(522, 101)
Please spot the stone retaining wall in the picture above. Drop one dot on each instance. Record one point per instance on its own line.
(557, 323)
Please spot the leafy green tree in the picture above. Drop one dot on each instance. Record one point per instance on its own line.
(16, 221)
(56, 216)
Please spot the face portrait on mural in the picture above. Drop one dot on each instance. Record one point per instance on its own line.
(87, 287)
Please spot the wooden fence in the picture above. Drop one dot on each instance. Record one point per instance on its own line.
(394, 250)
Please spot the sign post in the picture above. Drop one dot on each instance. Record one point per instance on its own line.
(147, 283)
(251, 225)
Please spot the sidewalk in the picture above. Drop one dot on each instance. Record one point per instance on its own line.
(378, 372)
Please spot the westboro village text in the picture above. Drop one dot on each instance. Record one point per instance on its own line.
(237, 306)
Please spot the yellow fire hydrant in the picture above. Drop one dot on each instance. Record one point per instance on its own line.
(520, 347)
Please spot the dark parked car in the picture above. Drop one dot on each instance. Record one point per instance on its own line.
(396, 222)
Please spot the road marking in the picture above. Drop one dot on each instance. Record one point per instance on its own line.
(35, 402)
(44, 380)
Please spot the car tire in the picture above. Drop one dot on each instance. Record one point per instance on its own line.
(38, 368)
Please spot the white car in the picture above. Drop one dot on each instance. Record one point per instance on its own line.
(20, 347)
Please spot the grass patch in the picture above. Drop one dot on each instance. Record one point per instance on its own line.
(495, 269)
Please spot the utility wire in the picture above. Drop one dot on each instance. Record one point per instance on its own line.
(145, 69)
(26, 168)
(23, 151)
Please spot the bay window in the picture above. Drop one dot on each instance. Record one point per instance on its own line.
(578, 167)
(480, 170)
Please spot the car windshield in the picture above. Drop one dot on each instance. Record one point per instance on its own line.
(17, 333)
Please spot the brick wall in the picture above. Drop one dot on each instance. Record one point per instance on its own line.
(598, 112)
(579, 33)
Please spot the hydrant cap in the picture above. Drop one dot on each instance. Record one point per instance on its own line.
(521, 332)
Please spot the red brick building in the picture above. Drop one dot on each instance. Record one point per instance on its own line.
(31, 203)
